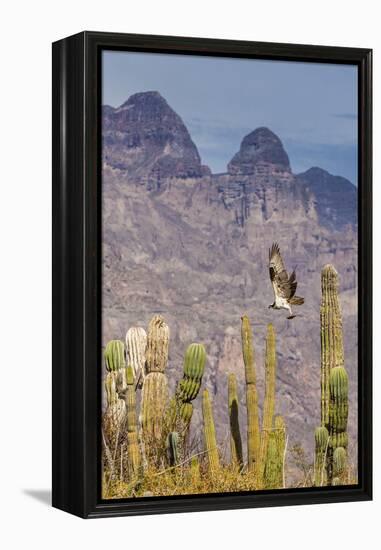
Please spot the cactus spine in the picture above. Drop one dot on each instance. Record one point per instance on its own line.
(132, 425)
(334, 378)
(269, 404)
(210, 433)
(136, 344)
(235, 434)
(253, 435)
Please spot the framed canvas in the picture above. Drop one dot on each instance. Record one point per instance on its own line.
(212, 274)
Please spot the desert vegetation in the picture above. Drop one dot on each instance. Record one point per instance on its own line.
(150, 448)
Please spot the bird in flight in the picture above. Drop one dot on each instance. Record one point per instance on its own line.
(284, 286)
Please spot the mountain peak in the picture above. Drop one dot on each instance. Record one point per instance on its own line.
(149, 140)
(144, 99)
(260, 146)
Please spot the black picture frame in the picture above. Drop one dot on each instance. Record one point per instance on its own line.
(77, 275)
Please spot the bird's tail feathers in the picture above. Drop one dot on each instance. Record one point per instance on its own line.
(296, 301)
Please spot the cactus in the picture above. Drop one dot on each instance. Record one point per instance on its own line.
(331, 334)
(181, 409)
(338, 416)
(273, 475)
(115, 414)
(136, 344)
(339, 461)
(253, 435)
(172, 445)
(155, 386)
(157, 345)
(114, 355)
(321, 445)
(280, 436)
(334, 378)
(269, 404)
(194, 363)
(210, 433)
(235, 434)
(132, 425)
(154, 400)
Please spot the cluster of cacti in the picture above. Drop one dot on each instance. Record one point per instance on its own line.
(210, 433)
(253, 433)
(235, 434)
(334, 382)
(159, 439)
(155, 387)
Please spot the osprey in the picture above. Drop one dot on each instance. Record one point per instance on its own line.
(284, 286)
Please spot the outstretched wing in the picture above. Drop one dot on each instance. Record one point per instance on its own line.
(284, 286)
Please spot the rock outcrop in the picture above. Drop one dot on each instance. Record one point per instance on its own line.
(336, 197)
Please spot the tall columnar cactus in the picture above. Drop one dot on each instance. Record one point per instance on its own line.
(155, 387)
(235, 434)
(210, 433)
(334, 378)
(132, 424)
(321, 448)
(154, 400)
(331, 334)
(273, 477)
(338, 416)
(269, 404)
(157, 345)
(136, 345)
(253, 434)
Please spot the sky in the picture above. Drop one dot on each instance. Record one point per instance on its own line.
(312, 107)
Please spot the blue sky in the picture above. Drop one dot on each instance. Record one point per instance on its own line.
(312, 107)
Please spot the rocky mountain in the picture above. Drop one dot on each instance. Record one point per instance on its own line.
(148, 139)
(336, 197)
(193, 246)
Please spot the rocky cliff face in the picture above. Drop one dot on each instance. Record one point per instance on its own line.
(195, 249)
(336, 197)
